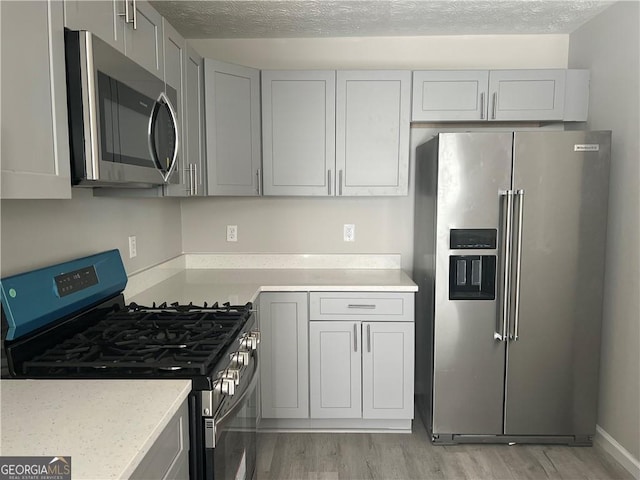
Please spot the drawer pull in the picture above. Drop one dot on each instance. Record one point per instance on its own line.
(363, 306)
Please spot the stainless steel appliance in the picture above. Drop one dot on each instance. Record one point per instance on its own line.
(509, 257)
(70, 321)
(122, 122)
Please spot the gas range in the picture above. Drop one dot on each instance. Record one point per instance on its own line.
(134, 341)
(71, 321)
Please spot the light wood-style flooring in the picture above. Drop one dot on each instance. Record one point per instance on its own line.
(386, 456)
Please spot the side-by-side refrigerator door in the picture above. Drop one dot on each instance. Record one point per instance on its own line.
(552, 356)
(468, 372)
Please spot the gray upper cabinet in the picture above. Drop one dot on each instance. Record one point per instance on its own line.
(450, 95)
(195, 123)
(298, 132)
(175, 62)
(104, 18)
(500, 95)
(232, 107)
(133, 27)
(35, 139)
(143, 37)
(527, 94)
(328, 133)
(372, 132)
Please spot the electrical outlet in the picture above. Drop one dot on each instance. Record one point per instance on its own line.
(349, 232)
(232, 233)
(133, 249)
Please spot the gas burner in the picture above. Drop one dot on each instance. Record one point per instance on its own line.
(190, 307)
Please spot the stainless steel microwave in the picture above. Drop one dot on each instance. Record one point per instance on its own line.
(122, 122)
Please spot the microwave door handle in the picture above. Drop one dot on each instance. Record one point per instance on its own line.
(163, 99)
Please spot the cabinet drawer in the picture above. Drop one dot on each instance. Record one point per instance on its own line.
(361, 306)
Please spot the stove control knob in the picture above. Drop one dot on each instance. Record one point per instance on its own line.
(226, 386)
(241, 357)
(250, 340)
(232, 374)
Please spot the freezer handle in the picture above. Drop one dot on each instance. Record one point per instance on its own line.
(516, 306)
(507, 226)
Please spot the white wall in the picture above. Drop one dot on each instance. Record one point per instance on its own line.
(314, 225)
(36, 233)
(609, 46)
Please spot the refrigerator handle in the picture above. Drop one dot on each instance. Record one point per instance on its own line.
(502, 335)
(516, 307)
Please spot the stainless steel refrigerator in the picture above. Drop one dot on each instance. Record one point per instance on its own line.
(510, 235)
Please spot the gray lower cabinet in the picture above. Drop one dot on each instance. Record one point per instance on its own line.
(232, 107)
(284, 374)
(361, 355)
(500, 95)
(168, 458)
(35, 138)
(133, 27)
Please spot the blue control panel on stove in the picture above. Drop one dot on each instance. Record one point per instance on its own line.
(37, 298)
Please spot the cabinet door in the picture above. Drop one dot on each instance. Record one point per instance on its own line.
(450, 95)
(387, 369)
(194, 120)
(298, 132)
(527, 94)
(284, 374)
(372, 132)
(143, 38)
(104, 18)
(174, 47)
(35, 138)
(334, 369)
(232, 106)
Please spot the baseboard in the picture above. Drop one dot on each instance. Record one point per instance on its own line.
(617, 451)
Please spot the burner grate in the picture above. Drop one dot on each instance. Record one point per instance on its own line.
(175, 340)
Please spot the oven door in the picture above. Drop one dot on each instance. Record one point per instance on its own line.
(231, 435)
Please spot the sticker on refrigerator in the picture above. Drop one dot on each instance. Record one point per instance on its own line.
(589, 147)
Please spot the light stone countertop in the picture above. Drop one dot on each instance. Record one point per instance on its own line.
(243, 285)
(106, 426)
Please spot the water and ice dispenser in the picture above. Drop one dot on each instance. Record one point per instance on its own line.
(472, 277)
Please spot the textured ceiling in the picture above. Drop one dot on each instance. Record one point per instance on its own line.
(353, 18)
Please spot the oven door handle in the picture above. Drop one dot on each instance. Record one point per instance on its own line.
(219, 423)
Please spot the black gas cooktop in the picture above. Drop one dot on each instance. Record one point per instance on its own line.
(135, 341)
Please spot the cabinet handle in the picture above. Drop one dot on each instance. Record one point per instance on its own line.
(482, 106)
(192, 178)
(495, 102)
(340, 181)
(355, 337)
(126, 12)
(363, 306)
(329, 180)
(135, 16)
(368, 338)
(188, 172)
(195, 179)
